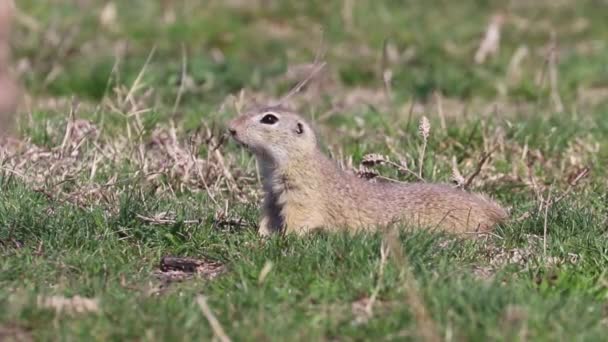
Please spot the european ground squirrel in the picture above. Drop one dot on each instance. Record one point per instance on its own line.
(305, 190)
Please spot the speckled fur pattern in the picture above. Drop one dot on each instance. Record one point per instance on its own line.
(305, 190)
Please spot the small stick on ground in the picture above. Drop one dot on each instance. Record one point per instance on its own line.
(218, 331)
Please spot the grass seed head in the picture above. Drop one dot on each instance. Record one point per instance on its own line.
(424, 128)
(373, 159)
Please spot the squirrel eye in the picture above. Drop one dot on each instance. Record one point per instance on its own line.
(269, 119)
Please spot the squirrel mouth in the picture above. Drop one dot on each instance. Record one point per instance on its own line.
(238, 141)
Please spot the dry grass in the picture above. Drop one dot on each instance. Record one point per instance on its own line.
(14, 333)
(74, 305)
(70, 171)
(425, 325)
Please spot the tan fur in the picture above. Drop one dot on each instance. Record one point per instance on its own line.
(305, 190)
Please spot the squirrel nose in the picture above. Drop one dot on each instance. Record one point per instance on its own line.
(232, 131)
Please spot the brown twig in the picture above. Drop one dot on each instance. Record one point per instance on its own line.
(480, 165)
(317, 67)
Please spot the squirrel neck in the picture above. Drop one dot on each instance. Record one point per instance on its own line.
(305, 171)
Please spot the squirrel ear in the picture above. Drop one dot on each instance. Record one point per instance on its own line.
(299, 128)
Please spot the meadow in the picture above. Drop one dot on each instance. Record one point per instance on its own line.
(119, 159)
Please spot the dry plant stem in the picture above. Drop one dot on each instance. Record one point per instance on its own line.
(136, 84)
(547, 205)
(553, 75)
(317, 67)
(531, 179)
(582, 174)
(440, 112)
(26, 21)
(387, 73)
(69, 125)
(491, 40)
(265, 272)
(199, 171)
(426, 327)
(410, 112)
(514, 69)
(218, 331)
(480, 165)
(424, 129)
(154, 220)
(550, 68)
(399, 167)
(300, 85)
(384, 251)
(182, 83)
(456, 175)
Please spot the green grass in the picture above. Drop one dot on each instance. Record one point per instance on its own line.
(67, 230)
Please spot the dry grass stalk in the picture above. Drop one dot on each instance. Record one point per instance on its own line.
(384, 252)
(387, 73)
(490, 43)
(165, 218)
(547, 205)
(480, 165)
(456, 175)
(530, 175)
(218, 331)
(265, 272)
(424, 128)
(182, 83)
(375, 159)
(514, 70)
(75, 304)
(108, 15)
(426, 327)
(552, 61)
(318, 65)
(82, 168)
(169, 15)
(439, 101)
(573, 181)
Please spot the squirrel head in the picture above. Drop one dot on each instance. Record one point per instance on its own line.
(274, 133)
